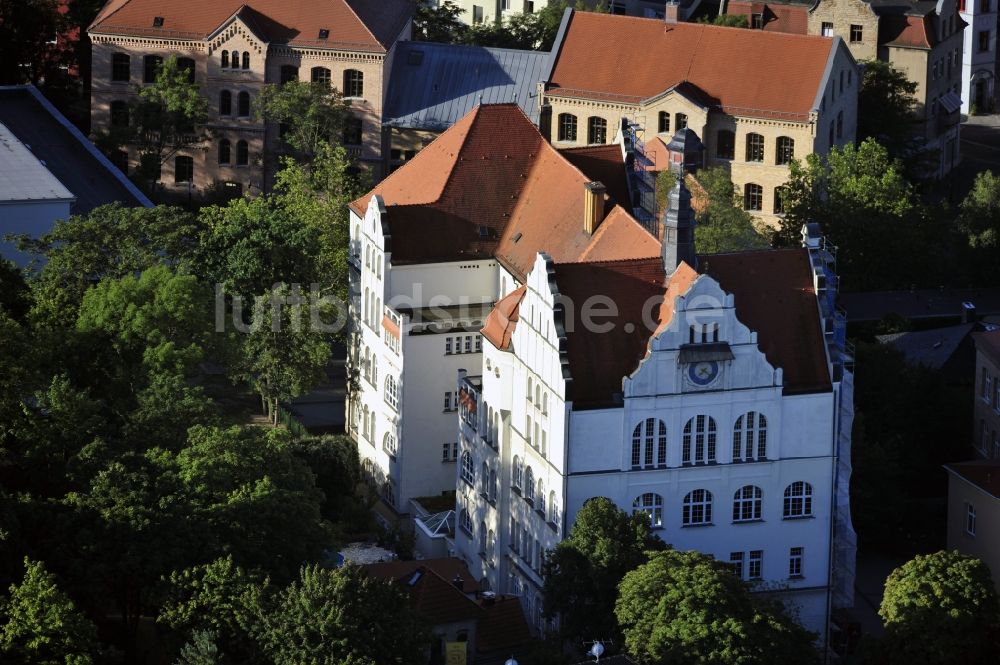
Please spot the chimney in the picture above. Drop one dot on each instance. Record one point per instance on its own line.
(545, 122)
(672, 12)
(968, 312)
(593, 205)
(459, 583)
(489, 599)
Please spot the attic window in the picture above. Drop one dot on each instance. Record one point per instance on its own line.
(324, 33)
(415, 58)
(484, 232)
(157, 21)
(517, 236)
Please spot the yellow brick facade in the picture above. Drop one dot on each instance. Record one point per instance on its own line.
(836, 107)
(265, 66)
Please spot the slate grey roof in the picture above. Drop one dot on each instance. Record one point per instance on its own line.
(930, 348)
(23, 177)
(65, 152)
(434, 85)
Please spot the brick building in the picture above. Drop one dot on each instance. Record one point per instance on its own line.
(233, 50)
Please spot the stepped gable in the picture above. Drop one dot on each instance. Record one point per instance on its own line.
(734, 69)
(359, 25)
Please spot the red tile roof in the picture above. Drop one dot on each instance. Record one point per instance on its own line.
(778, 17)
(361, 25)
(988, 343)
(984, 474)
(503, 627)
(775, 296)
(907, 31)
(502, 319)
(735, 67)
(606, 165)
(447, 567)
(491, 186)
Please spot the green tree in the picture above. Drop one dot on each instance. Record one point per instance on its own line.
(41, 625)
(438, 23)
(201, 650)
(727, 20)
(723, 224)
(334, 461)
(685, 607)
(330, 617)
(311, 114)
(859, 195)
(14, 298)
(979, 223)
(583, 572)
(886, 106)
(939, 609)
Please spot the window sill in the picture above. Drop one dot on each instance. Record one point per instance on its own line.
(448, 461)
(515, 489)
(698, 525)
(796, 578)
(754, 521)
(467, 532)
(530, 502)
(468, 482)
(553, 526)
(540, 512)
(792, 518)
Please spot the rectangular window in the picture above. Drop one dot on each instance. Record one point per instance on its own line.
(447, 401)
(479, 343)
(970, 519)
(795, 562)
(736, 563)
(468, 344)
(984, 386)
(779, 200)
(477, 14)
(527, 428)
(121, 65)
(757, 21)
(183, 169)
(984, 6)
(984, 40)
(529, 7)
(827, 29)
(983, 432)
(857, 33)
(447, 345)
(445, 452)
(756, 563)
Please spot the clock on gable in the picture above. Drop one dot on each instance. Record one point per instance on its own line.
(703, 373)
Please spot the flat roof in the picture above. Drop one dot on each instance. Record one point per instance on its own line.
(433, 86)
(23, 177)
(65, 153)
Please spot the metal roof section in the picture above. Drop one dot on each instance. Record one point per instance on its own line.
(23, 177)
(432, 85)
(67, 156)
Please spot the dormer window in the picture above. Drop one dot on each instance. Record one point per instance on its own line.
(324, 33)
(157, 21)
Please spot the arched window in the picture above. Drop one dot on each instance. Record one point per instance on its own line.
(374, 369)
(243, 104)
(529, 484)
(527, 394)
(482, 537)
(699, 440)
(183, 169)
(246, 59)
(235, 60)
(785, 150)
(225, 103)
(119, 114)
(364, 427)
(545, 404)
(649, 444)
(225, 152)
(597, 130)
(468, 470)
(664, 124)
(540, 497)
(371, 427)
(187, 65)
(151, 65)
(652, 505)
(484, 480)
(354, 83)
(121, 67)
(755, 147)
(321, 75)
(553, 515)
(750, 437)
(747, 503)
(493, 485)
(516, 472)
(242, 153)
(391, 391)
(753, 196)
(366, 365)
(224, 62)
(289, 73)
(567, 127)
(697, 507)
(725, 144)
(389, 444)
(491, 545)
(680, 122)
(538, 394)
(798, 500)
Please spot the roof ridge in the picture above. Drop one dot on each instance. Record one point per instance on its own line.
(361, 21)
(705, 26)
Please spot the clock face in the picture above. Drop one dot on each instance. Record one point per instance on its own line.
(703, 373)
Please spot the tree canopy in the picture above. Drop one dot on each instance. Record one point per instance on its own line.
(940, 608)
(685, 607)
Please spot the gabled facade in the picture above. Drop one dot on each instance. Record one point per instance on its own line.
(233, 49)
(434, 246)
(718, 401)
(753, 111)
